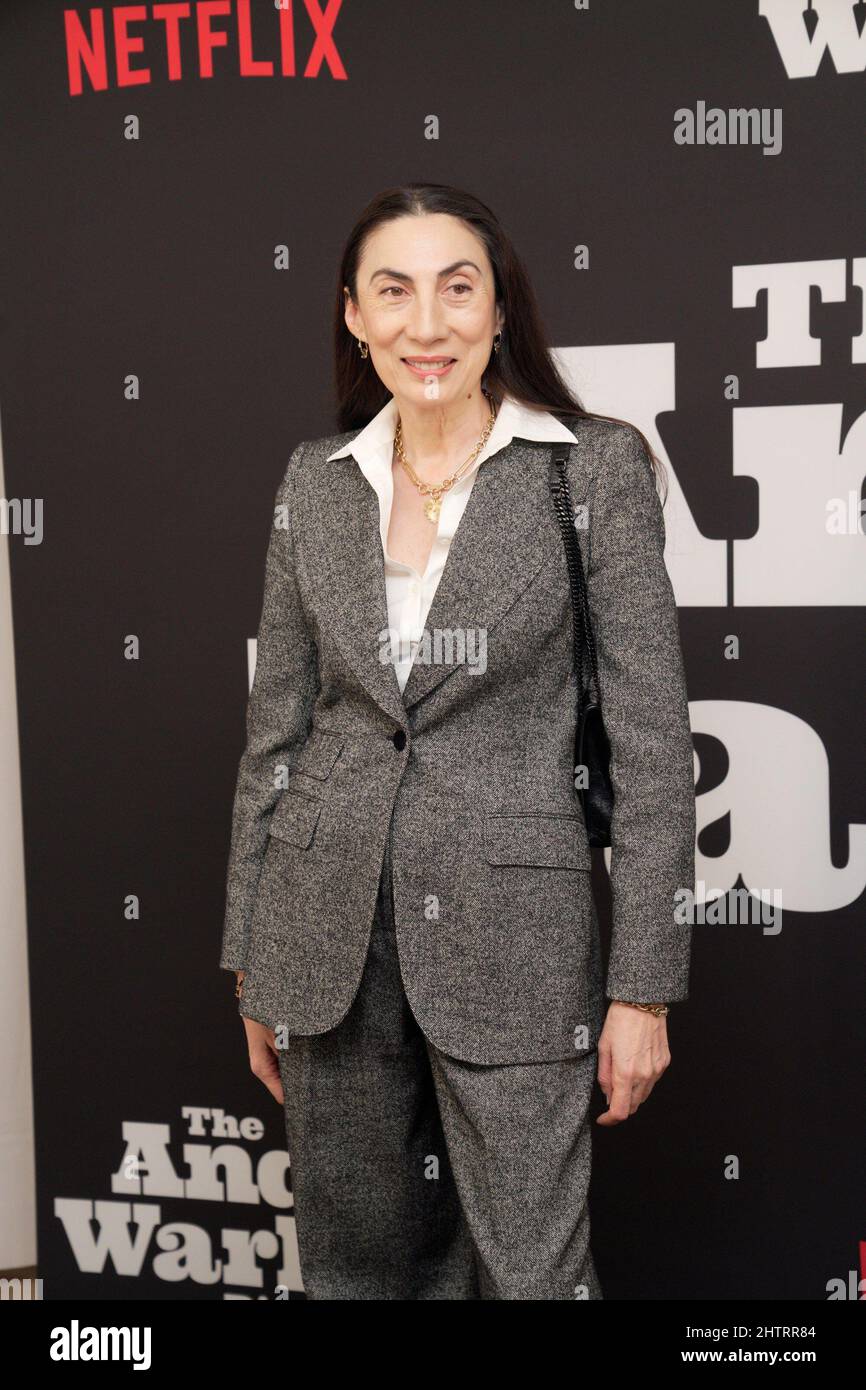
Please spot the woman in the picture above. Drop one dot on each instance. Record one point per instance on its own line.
(409, 908)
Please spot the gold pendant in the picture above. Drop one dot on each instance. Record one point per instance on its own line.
(432, 508)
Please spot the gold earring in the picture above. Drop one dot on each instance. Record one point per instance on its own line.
(365, 351)
(496, 345)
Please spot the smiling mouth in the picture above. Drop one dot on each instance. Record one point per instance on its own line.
(429, 361)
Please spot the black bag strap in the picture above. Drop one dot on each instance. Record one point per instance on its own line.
(584, 642)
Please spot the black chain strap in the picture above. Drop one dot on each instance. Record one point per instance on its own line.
(583, 638)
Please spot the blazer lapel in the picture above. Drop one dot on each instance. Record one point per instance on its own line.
(498, 548)
(504, 535)
(345, 563)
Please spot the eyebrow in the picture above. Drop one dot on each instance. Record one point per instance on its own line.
(407, 279)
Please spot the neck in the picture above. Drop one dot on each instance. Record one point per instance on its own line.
(438, 438)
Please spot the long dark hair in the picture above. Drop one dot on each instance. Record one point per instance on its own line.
(523, 366)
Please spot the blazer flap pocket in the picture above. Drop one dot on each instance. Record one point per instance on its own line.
(294, 819)
(318, 754)
(545, 839)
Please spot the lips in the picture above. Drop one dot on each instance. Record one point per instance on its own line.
(423, 369)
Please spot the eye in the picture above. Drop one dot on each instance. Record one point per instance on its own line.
(461, 286)
(389, 288)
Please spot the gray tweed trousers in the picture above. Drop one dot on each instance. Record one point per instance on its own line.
(419, 1176)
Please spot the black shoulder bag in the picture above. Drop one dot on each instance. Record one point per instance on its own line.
(591, 746)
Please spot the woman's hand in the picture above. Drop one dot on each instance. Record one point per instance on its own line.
(264, 1057)
(261, 1045)
(632, 1054)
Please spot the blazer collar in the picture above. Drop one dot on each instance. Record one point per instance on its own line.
(506, 531)
(373, 446)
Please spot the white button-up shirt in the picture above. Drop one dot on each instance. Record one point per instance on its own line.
(409, 594)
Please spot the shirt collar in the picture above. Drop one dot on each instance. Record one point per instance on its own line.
(374, 444)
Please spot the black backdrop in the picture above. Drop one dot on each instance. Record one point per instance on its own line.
(154, 258)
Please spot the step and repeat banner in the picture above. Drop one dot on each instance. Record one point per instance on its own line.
(684, 181)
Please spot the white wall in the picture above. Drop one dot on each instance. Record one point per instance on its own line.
(17, 1170)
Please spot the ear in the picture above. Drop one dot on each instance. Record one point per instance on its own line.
(352, 315)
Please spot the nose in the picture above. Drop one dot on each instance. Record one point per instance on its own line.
(426, 319)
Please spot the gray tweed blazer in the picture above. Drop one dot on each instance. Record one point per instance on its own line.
(470, 770)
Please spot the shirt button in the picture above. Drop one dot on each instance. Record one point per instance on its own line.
(399, 740)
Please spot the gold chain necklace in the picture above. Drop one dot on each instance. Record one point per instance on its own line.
(434, 491)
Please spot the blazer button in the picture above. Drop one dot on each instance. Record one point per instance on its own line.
(399, 739)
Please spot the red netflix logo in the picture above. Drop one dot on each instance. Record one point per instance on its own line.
(87, 55)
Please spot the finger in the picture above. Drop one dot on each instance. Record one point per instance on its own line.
(269, 1074)
(605, 1063)
(277, 1091)
(640, 1091)
(643, 1085)
(660, 1063)
(264, 1062)
(619, 1104)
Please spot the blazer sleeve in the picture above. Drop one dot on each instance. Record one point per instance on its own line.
(280, 703)
(646, 715)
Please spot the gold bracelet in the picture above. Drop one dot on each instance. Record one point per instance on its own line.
(659, 1010)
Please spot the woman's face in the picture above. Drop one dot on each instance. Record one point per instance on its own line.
(426, 290)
